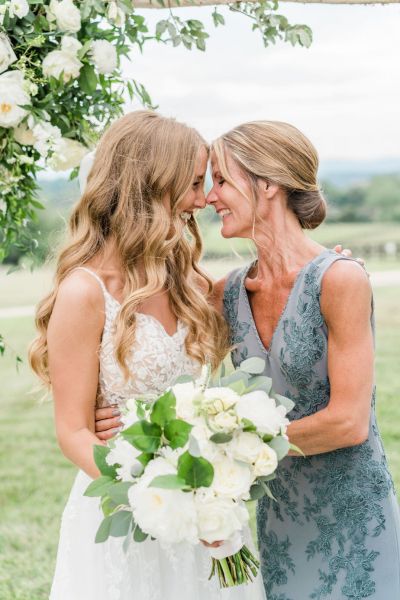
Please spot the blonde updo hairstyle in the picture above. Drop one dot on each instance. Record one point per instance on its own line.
(279, 153)
(142, 160)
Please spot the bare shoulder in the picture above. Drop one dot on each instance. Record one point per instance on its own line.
(346, 276)
(346, 291)
(79, 302)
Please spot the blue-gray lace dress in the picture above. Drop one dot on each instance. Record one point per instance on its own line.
(334, 532)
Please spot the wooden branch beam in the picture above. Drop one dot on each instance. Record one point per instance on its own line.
(194, 3)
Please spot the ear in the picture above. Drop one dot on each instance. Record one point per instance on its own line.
(269, 189)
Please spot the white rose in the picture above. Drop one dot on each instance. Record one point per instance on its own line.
(7, 55)
(115, 14)
(125, 455)
(231, 478)
(223, 422)
(167, 515)
(70, 44)
(18, 8)
(104, 56)
(199, 442)
(246, 447)
(219, 399)
(12, 96)
(45, 135)
(263, 412)
(67, 154)
(67, 15)
(23, 135)
(185, 394)
(61, 63)
(266, 462)
(219, 518)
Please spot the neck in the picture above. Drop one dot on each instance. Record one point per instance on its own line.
(283, 247)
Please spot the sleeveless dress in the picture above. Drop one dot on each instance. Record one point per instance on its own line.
(89, 571)
(334, 532)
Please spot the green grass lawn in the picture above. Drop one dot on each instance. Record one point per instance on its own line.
(35, 478)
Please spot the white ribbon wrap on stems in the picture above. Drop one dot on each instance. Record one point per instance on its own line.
(229, 547)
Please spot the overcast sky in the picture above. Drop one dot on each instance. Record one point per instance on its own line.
(343, 92)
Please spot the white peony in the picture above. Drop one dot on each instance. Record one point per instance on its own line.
(199, 442)
(266, 462)
(167, 515)
(185, 394)
(263, 412)
(225, 422)
(18, 8)
(61, 63)
(245, 447)
(45, 135)
(232, 479)
(12, 96)
(70, 44)
(219, 399)
(125, 455)
(115, 14)
(67, 15)
(23, 135)
(218, 518)
(104, 56)
(7, 55)
(67, 154)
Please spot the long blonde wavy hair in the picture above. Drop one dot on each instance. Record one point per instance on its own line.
(142, 160)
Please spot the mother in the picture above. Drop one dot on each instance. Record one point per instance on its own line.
(308, 312)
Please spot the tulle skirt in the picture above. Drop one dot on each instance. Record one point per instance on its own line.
(146, 571)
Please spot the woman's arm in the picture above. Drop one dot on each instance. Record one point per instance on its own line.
(73, 338)
(346, 306)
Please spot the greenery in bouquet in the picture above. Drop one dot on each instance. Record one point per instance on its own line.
(186, 462)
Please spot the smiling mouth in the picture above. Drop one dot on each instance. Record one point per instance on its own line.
(224, 213)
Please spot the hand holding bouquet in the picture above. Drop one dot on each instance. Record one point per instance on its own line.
(186, 462)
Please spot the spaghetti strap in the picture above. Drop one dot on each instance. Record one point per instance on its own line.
(99, 279)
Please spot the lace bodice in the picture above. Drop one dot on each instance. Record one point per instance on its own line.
(156, 359)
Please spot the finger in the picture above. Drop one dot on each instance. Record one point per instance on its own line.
(346, 252)
(338, 248)
(360, 261)
(107, 413)
(107, 435)
(105, 424)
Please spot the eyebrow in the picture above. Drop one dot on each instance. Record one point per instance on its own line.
(199, 177)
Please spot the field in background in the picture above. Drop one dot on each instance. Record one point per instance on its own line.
(35, 478)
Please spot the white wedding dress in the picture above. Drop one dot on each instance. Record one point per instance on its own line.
(89, 571)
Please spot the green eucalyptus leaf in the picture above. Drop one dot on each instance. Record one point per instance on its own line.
(257, 491)
(253, 365)
(164, 409)
(286, 402)
(144, 436)
(259, 382)
(139, 535)
(103, 531)
(100, 486)
(177, 433)
(120, 523)
(119, 492)
(100, 454)
(221, 438)
(280, 445)
(169, 482)
(195, 471)
(296, 449)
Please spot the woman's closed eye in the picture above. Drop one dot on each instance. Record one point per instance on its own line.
(221, 182)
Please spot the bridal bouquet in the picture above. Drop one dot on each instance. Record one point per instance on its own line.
(185, 463)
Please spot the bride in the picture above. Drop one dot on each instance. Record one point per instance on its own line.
(127, 316)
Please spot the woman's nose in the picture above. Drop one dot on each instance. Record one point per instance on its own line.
(211, 197)
(201, 201)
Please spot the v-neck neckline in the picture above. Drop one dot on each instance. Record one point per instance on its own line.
(268, 350)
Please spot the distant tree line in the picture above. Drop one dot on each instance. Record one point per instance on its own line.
(374, 200)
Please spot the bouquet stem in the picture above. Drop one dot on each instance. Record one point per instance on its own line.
(237, 569)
